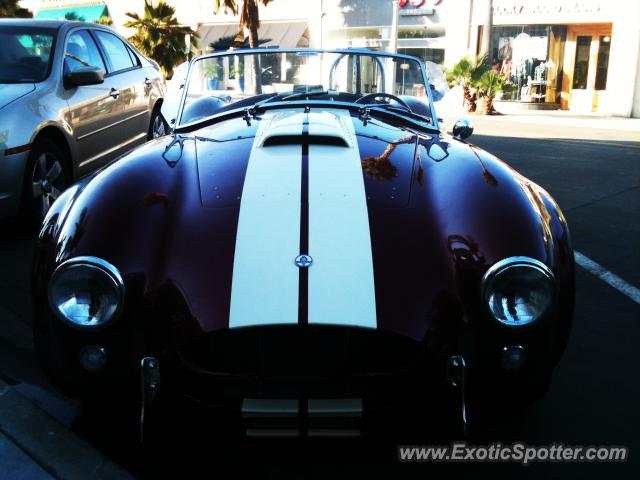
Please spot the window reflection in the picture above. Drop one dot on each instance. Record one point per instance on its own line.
(581, 67)
(531, 59)
(603, 62)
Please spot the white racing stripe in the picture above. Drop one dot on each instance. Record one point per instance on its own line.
(266, 283)
(341, 283)
(264, 288)
(608, 277)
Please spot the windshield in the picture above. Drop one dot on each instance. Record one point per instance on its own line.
(25, 54)
(222, 82)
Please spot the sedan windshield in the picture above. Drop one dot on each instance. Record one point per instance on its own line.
(219, 83)
(25, 54)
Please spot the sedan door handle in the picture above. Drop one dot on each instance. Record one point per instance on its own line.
(147, 81)
(114, 93)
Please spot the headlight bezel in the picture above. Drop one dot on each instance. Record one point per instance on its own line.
(105, 268)
(503, 266)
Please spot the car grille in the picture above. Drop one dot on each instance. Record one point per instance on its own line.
(295, 360)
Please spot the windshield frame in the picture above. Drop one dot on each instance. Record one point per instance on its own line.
(350, 51)
(30, 30)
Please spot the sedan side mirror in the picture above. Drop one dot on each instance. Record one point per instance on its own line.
(462, 129)
(84, 76)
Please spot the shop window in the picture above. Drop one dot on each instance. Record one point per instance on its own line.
(581, 67)
(530, 58)
(603, 62)
(435, 55)
(432, 31)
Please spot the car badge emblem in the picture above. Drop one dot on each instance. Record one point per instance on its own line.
(304, 261)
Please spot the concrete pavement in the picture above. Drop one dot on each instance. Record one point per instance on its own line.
(36, 445)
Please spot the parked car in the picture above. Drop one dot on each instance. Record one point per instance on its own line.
(73, 96)
(306, 252)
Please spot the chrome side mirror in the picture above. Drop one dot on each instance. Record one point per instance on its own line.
(463, 129)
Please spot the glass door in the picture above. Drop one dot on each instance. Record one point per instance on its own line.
(587, 82)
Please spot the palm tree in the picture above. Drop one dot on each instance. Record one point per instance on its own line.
(73, 17)
(11, 9)
(104, 20)
(225, 43)
(249, 19)
(467, 73)
(160, 36)
(491, 83)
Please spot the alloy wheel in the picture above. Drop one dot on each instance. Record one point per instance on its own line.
(47, 181)
(157, 127)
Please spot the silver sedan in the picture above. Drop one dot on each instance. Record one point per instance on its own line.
(73, 96)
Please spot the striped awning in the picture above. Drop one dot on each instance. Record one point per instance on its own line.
(83, 13)
(280, 34)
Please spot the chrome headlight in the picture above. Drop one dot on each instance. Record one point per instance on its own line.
(518, 290)
(86, 292)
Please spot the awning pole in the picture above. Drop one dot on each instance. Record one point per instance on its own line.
(393, 48)
(393, 41)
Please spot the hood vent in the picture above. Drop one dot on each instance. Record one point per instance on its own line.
(325, 128)
(310, 139)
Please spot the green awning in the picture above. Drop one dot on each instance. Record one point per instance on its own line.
(86, 13)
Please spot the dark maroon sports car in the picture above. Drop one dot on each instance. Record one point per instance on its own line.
(307, 248)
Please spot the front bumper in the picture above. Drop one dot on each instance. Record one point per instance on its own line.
(12, 168)
(312, 381)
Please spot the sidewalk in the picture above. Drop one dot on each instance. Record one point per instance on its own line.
(451, 109)
(35, 446)
(570, 119)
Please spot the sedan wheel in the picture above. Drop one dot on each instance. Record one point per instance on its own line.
(158, 127)
(45, 179)
(47, 182)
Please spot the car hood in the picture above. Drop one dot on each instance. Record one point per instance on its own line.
(319, 184)
(305, 218)
(264, 159)
(12, 92)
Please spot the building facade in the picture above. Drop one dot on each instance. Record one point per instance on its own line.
(580, 55)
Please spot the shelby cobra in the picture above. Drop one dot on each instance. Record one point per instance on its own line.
(307, 246)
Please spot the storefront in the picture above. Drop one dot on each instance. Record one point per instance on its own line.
(580, 55)
(531, 59)
(423, 26)
(283, 23)
(563, 65)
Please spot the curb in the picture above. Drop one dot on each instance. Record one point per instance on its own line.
(552, 118)
(59, 452)
(601, 123)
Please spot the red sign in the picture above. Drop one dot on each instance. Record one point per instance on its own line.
(418, 3)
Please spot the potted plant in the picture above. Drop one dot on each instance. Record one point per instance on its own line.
(491, 83)
(467, 73)
(211, 74)
(237, 71)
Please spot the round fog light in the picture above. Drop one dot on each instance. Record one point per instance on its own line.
(93, 359)
(512, 357)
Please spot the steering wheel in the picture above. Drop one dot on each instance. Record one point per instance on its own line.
(373, 96)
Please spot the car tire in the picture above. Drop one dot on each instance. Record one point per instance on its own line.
(46, 177)
(158, 127)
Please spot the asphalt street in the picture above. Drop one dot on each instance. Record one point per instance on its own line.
(594, 174)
